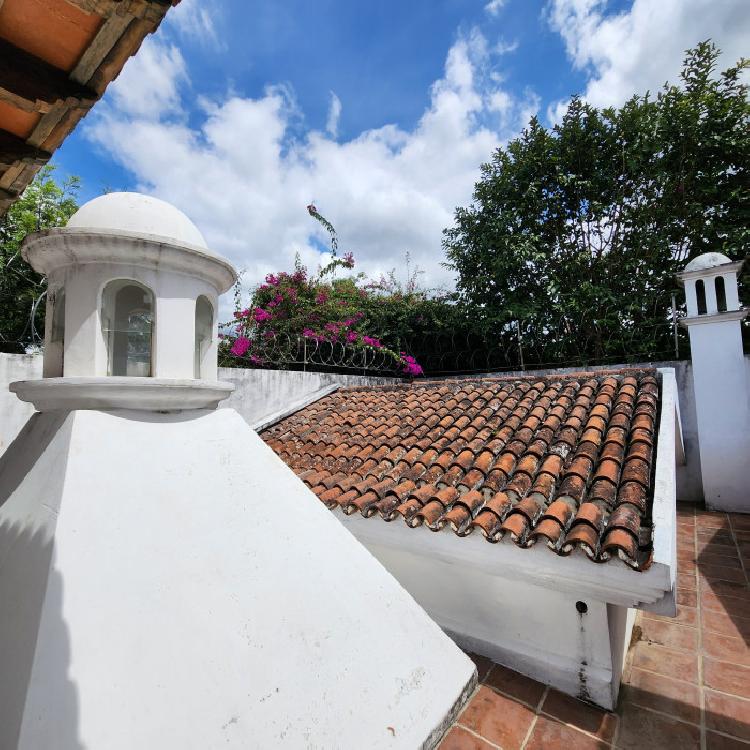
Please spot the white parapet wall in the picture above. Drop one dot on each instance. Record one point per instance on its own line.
(14, 413)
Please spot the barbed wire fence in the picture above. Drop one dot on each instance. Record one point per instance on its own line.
(558, 340)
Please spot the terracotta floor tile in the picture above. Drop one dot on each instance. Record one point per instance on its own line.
(712, 520)
(581, 715)
(685, 616)
(715, 541)
(721, 622)
(709, 558)
(482, 663)
(740, 521)
(460, 739)
(687, 597)
(515, 685)
(666, 661)
(724, 648)
(735, 606)
(664, 694)
(727, 677)
(688, 555)
(687, 580)
(688, 567)
(722, 546)
(720, 742)
(497, 718)
(670, 635)
(728, 714)
(551, 735)
(721, 572)
(641, 729)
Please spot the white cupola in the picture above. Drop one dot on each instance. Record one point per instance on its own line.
(711, 285)
(131, 309)
(720, 378)
(166, 580)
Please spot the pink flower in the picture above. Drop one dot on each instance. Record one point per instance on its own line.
(309, 333)
(321, 298)
(256, 360)
(349, 260)
(373, 342)
(411, 367)
(240, 346)
(272, 280)
(260, 315)
(352, 336)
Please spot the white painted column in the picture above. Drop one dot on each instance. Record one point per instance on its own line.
(730, 290)
(710, 286)
(723, 409)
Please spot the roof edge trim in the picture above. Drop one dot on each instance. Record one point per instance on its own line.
(612, 583)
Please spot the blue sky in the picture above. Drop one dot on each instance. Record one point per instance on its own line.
(241, 112)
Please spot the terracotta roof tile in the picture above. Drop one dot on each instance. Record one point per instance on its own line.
(564, 460)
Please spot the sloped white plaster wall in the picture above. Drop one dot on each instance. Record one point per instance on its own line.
(188, 592)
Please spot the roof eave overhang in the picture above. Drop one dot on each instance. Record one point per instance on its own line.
(613, 582)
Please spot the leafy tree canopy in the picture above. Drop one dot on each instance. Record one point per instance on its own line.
(576, 232)
(43, 204)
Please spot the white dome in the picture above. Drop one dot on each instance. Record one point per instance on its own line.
(707, 260)
(138, 213)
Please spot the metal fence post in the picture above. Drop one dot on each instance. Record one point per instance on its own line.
(674, 327)
(520, 348)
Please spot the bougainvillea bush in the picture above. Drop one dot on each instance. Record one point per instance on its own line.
(326, 310)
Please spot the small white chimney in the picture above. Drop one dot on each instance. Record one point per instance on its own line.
(720, 379)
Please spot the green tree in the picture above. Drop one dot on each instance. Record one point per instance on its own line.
(576, 232)
(43, 204)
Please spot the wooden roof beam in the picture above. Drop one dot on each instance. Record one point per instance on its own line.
(32, 85)
(14, 150)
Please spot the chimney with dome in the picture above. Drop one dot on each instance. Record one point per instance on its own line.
(720, 378)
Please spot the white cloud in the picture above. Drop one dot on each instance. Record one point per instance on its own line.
(505, 48)
(149, 86)
(194, 19)
(245, 180)
(494, 7)
(641, 48)
(334, 112)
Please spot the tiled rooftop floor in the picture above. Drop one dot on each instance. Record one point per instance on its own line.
(686, 682)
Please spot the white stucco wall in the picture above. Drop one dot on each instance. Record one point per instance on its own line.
(14, 413)
(167, 582)
(722, 400)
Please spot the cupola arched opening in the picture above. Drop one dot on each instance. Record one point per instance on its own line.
(127, 317)
(721, 294)
(700, 296)
(204, 328)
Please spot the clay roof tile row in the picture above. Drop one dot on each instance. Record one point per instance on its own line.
(566, 461)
